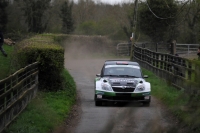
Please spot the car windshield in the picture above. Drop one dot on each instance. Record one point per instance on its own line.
(122, 71)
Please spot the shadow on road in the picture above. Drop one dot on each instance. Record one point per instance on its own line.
(122, 104)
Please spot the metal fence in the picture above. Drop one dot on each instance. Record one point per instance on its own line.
(15, 93)
(123, 49)
(187, 48)
(181, 72)
(162, 47)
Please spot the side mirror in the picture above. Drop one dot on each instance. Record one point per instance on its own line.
(145, 76)
(98, 75)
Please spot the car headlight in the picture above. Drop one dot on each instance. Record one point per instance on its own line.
(106, 87)
(140, 88)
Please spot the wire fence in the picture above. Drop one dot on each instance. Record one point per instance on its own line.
(15, 93)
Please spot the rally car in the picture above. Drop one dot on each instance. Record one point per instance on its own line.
(121, 81)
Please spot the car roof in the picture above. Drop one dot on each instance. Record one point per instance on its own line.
(114, 62)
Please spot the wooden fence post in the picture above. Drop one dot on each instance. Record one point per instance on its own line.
(193, 75)
(186, 71)
(173, 47)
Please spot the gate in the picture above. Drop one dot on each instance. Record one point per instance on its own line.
(123, 49)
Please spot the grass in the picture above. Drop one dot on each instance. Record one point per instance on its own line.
(47, 110)
(185, 107)
(5, 61)
(167, 93)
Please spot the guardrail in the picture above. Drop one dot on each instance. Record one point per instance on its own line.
(181, 72)
(15, 93)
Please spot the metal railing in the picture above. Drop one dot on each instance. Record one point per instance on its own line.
(163, 47)
(15, 93)
(123, 49)
(187, 48)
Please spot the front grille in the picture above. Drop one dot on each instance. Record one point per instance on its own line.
(118, 89)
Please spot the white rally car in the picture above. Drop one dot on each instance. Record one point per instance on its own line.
(121, 81)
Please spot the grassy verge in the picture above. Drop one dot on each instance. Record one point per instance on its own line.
(167, 93)
(47, 110)
(178, 102)
(5, 61)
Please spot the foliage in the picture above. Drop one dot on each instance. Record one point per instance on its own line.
(156, 17)
(103, 27)
(48, 110)
(109, 20)
(66, 15)
(3, 15)
(34, 12)
(118, 35)
(50, 57)
(192, 19)
(88, 28)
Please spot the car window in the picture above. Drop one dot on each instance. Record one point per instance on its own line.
(122, 70)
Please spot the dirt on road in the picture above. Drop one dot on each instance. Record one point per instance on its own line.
(109, 118)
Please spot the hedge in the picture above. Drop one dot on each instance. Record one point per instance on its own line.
(50, 56)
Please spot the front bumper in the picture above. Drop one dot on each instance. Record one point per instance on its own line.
(122, 97)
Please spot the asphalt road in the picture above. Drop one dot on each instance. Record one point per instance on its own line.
(109, 118)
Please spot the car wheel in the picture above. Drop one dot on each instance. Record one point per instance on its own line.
(98, 103)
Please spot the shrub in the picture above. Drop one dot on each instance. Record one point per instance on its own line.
(51, 61)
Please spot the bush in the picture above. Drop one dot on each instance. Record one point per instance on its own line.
(50, 57)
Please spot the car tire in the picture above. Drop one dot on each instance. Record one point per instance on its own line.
(98, 103)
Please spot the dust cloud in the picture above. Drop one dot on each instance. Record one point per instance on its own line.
(84, 47)
(84, 57)
(83, 50)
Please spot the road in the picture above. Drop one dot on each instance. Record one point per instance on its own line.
(117, 118)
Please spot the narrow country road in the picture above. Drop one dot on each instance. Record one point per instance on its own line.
(117, 118)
